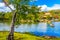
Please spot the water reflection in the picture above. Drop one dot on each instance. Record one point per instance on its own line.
(4, 27)
(37, 29)
(57, 28)
(41, 27)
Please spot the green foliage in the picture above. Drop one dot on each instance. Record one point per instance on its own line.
(23, 10)
(27, 13)
(28, 16)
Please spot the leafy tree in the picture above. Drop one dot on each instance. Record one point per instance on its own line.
(20, 7)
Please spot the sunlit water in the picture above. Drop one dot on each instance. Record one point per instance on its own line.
(39, 29)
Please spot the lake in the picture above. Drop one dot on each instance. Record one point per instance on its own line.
(40, 29)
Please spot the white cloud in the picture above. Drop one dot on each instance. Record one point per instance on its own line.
(46, 8)
(54, 7)
(2, 4)
(12, 7)
(4, 8)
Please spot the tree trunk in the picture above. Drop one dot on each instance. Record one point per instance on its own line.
(11, 34)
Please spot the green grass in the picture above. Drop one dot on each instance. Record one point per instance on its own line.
(20, 36)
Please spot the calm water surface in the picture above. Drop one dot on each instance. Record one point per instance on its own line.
(39, 29)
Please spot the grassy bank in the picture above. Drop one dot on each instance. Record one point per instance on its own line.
(20, 36)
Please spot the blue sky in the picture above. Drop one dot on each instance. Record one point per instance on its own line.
(45, 4)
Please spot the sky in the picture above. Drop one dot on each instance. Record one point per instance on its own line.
(45, 4)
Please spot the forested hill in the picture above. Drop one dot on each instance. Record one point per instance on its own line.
(32, 17)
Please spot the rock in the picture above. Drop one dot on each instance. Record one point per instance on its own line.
(52, 25)
(49, 37)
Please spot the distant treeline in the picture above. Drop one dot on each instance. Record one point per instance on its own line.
(30, 17)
